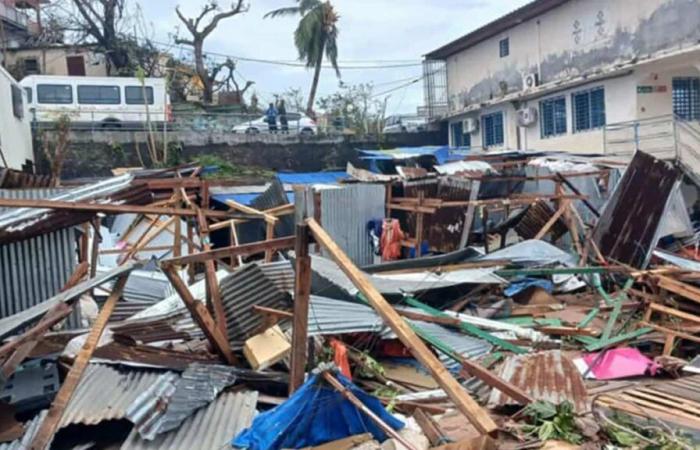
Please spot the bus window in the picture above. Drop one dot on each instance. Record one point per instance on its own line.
(134, 95)
(28, 90)
(98, 95)
(54, 93)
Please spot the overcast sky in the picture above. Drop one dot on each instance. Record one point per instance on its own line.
(389, 30)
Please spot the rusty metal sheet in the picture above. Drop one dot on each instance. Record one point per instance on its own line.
(548, 375)
(15, 179)
(535, 217)
(629, 226)
(443, 230)
(149, 356)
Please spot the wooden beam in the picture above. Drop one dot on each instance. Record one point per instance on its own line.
(116, 209)
(476, 415)
(48, 427)
(201, 316)
(251, 211)
(225, 252)
(269, 235)
(552, 220)
(678, 287)
(210, 276)
(302, 291)
(430, 428)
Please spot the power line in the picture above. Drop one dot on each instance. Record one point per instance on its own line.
(293, 64)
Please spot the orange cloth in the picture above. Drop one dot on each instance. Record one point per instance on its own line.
(391, 240)
(340, 357)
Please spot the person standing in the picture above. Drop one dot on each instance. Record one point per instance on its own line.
(271, 117)
(284, 123)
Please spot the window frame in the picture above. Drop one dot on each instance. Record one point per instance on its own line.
(17, 100)
(113, 87)
(150, 95)
(54, 85)
(504, 47)
(495, 134)
(592, 114)
(30, 94)
(692, 98)
(558, 128)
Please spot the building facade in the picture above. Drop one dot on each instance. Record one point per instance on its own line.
(560, 74)
(56, 59)
(19, 20)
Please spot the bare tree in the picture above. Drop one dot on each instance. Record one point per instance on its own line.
(200, 28)
(229, 86)
(55, 144)
(100, 19)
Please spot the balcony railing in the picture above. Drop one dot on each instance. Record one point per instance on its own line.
(14, 16)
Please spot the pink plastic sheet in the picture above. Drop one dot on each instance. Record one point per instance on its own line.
(619, 363)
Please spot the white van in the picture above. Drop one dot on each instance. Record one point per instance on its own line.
(107, 102)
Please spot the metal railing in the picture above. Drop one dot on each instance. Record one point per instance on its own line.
(666, 137)
(14, 15)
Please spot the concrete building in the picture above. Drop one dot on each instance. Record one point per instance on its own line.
(573, 75)
(56, 59)
(15, 133)
(19, 20)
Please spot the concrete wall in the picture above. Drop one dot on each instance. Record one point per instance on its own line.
(52, 61)
(90, 157)
(15, 133)
(576, 38)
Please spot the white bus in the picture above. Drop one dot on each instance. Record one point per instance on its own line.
(106, 102)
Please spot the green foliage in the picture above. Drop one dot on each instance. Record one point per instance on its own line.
(370, 367)
(227, 170)
(549, 421)
(355, 104)
(627, 434)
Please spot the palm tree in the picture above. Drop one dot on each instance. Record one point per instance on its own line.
(316, 35)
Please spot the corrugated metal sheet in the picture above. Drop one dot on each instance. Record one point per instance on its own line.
(30, 428)
(11, 323)
(35, 269)
(105, 393)
(171, 400)
(254, 230)
(240, 291)
(345, 213)
(547, 375)
(280, 273)
(534, 218)
(212, 427)
(467, 346)
(443, 230)
(628, 228)
(328, 317)
(312, 177)
(13, 179)
(21, 217)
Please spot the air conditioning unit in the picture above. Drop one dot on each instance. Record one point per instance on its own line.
(530, 80)
(470, 125)
(527, 117)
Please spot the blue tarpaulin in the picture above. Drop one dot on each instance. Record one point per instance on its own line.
(442, 154)
(517, 286)
(312, 177)
(314, 415)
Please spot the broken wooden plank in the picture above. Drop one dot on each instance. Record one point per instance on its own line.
(345, 392)
(201, 316)
(225, 252)
(302, 292)
(212, 283)
(116, 209)
(430, 428)
(48, 427)
(476, 415)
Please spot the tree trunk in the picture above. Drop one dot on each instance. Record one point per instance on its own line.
(314, 84)
(202, 72)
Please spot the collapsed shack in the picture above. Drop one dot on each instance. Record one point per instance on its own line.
(469, 303)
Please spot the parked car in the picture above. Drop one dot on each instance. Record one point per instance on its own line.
(298, 123)
(107, 102)
(404, 124)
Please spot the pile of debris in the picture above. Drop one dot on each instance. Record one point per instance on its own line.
(479, 301)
